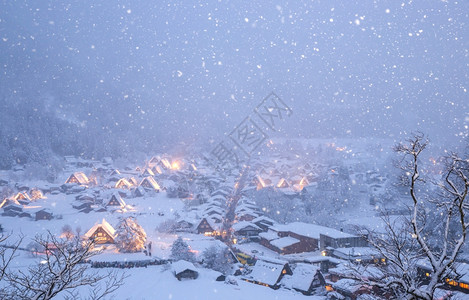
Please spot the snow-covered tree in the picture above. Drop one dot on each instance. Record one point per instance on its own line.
(7, 254)
(168, 226)
(130, 236)
(218, 259)
(180, 250)
(62, 270)
(406, 245)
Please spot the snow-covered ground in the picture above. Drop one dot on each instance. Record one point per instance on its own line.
(155, 282)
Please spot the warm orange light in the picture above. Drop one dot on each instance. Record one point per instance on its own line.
(175, 165)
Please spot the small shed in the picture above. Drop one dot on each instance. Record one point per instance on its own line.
(43, 214)
(183, 269)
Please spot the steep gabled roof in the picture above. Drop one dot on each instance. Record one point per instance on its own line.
(22, 195)
(150, 182)
(7, 202)
(148, 172)
(80, 177)
(105, 226)
(123, 183)
(283, 183)
(115, 197)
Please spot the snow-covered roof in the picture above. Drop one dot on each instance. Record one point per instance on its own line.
(215, 209)
(217, 198)
(245, 225)
(348, 285)
(7, 202)
(311, 230)
(263, 219)
(119, 199)
(355, 252)
(151, 181)
(269, 235)
(80, 176)
(266, 272)
(366, 272)
(284, 242)
(105, 226)
(302, 277)
(182, 265)
(123, 181)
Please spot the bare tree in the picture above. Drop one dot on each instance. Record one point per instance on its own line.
(406, 244)
(62, 270)
(7, 254)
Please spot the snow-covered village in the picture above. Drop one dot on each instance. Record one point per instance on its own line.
(234, 150)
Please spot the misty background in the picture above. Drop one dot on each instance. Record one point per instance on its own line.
(114, 78)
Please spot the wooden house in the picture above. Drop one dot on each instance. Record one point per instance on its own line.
(220, 192)
(310, 238)
(185, 225)
(268, 272)
(139, 192)
(154, 160)
(246, 216)
(6, 202)
(78, 178)
(192, 168)
(147, 172)
(246, 229)
(339, 239)
(206, 226)
(36, 194)
(116, 173)
(258, 182)
(102, 233)
(86, 197)
(123, 184)
(43, 214)
(263, 222)
(164, 164)
(157, 170)
(350, 288)
(12, 209)
(22, 196)
(183, 269)
(306, 279)
(283, 183)
(150, 184)
(116, 200)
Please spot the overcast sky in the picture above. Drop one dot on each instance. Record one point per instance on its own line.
(192, 70)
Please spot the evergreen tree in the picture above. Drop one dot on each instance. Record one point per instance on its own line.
(180, 250)
(218, 259)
